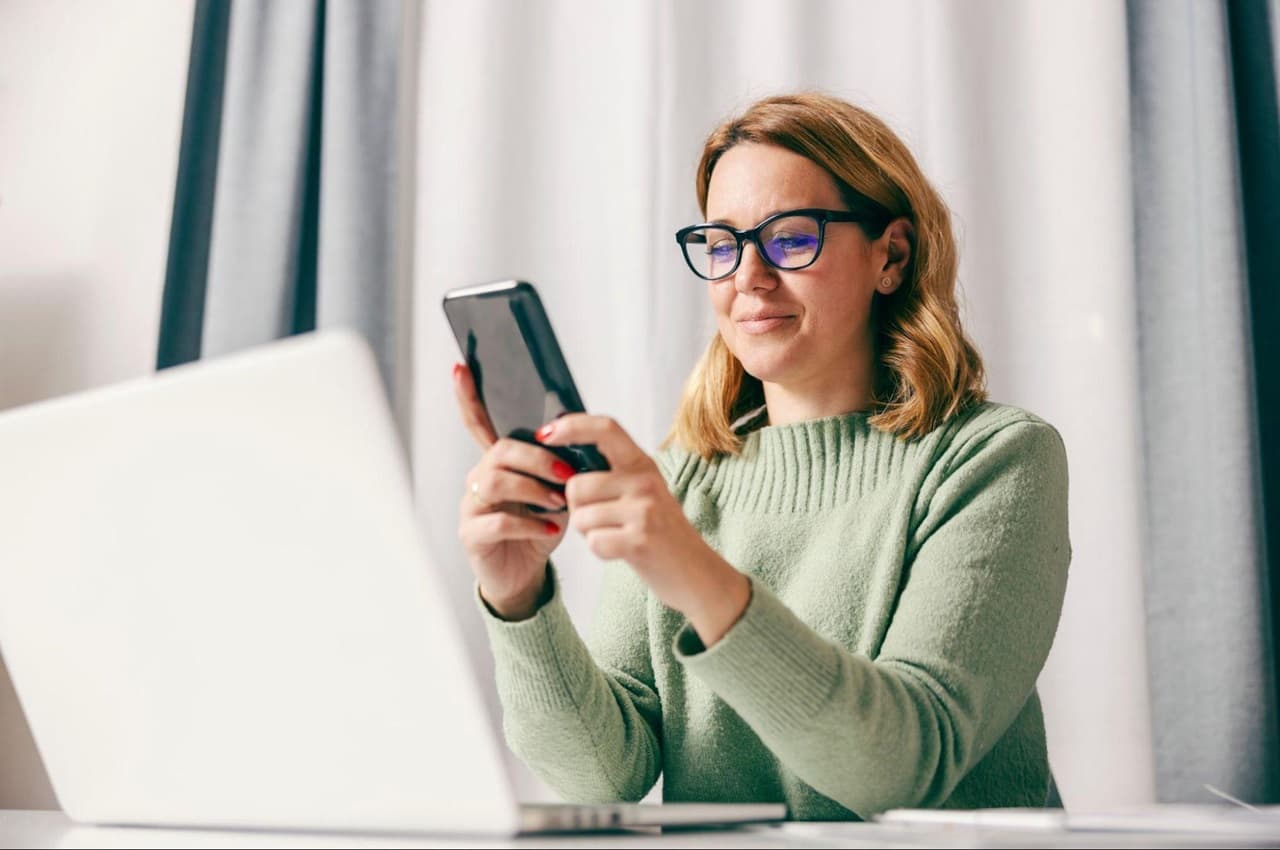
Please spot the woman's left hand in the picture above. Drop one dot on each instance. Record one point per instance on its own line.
(628, 513)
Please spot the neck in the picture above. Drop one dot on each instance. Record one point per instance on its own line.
(844, 387)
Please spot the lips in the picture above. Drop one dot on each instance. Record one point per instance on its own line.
(759, 323)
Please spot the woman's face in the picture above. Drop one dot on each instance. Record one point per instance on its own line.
(798, 329)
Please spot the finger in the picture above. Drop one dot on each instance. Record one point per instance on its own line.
(527, 458)
(474, 416)
(587, 488)
(489, 487)
(610, 544)
(575, 429)
(500, 527)
(598, 516)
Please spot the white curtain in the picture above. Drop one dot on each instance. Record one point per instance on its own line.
(557, 140)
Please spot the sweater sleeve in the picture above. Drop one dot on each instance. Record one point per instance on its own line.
(984, 579)
(587, 721)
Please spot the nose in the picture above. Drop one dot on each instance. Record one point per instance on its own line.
(753, 273)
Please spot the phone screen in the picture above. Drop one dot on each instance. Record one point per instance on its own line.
(522, 378)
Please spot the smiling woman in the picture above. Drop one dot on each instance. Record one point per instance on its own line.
(888, 293)
(837, 583)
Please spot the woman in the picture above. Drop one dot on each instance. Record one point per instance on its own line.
(842, 600)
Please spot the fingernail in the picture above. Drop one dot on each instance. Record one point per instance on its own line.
(557, 500)
(542, 433)
(457, 369)
(562, 470)
(551, 528)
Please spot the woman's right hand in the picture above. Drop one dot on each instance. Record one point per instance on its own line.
(507, 546)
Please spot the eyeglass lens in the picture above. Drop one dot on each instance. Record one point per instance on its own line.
(790, 242)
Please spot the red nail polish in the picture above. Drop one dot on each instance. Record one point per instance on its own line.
(552, 528)
(562, 470)
(457, 369)
(542, 433)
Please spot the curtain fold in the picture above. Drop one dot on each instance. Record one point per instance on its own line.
(186, 270)
(1253, 27)
(286, 211)
(1211, 650)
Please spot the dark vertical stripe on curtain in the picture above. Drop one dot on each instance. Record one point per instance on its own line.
(289, 203)
(182, 306)
(304, 287)
(285, 206)
(1258, 135)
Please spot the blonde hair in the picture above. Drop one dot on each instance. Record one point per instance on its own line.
(926, 369)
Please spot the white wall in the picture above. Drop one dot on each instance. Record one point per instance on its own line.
(90, 116)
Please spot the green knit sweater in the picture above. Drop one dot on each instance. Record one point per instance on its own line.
(904, 597)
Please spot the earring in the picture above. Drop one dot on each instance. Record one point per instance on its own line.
(885, 283)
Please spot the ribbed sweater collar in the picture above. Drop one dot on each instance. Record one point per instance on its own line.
(804, 467)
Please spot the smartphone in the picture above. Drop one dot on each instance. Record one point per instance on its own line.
(521, 376)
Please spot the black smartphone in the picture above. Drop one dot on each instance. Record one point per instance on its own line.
(506, 339)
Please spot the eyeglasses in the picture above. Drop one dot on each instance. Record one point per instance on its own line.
(788, 241)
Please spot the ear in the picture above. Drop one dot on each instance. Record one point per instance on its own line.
(896, 240)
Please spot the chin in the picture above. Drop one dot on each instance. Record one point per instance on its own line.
(769, 367)
(768, 357)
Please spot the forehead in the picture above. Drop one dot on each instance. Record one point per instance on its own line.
(752, 182)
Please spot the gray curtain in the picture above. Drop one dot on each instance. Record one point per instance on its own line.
(286, 210)
(1205, 187)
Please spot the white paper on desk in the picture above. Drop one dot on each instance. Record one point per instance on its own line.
(1232, 820)
(986, 818)
(1263, 821)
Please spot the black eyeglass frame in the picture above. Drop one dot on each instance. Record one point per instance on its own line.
(821, 216)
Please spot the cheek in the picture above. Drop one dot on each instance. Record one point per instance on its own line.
(843, 304)
(844, 289)
(721, 297)
(837, 308)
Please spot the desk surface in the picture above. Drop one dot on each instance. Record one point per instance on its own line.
(53, 829)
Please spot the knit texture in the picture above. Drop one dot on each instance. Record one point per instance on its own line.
(905, 595)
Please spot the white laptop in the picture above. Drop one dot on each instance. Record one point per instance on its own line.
(218, 611)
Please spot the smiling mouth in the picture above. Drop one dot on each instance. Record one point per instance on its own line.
(763, 324)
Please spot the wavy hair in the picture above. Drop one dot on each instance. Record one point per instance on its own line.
(926, 369)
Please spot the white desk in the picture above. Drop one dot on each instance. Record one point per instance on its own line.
(53, 829)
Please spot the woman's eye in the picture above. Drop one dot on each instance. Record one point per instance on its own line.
(795, 244)
(722, 250)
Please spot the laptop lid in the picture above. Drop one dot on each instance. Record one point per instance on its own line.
(217, 608)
